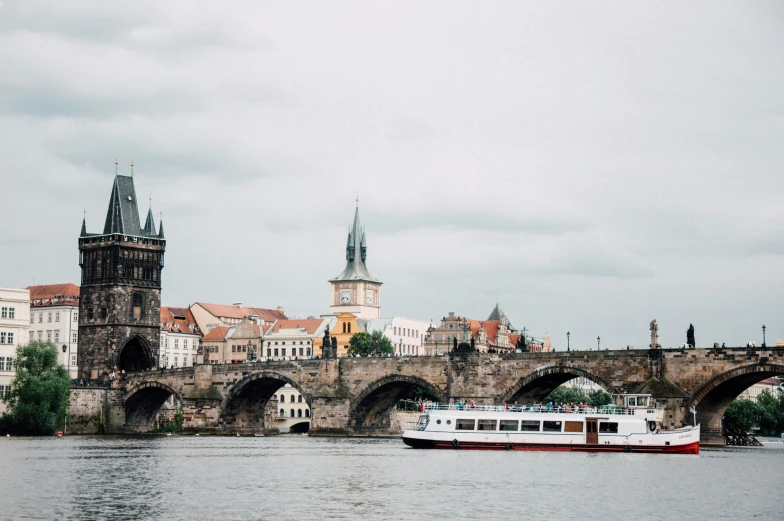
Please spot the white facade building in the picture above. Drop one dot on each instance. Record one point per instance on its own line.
(14, 327)
(293, 411)
(406, 334)
(294, 337)
(180, 337)
(54, 317)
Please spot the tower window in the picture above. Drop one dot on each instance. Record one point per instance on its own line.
(136, 311)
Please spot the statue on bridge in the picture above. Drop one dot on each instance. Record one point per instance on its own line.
(690, 336)
(654, 335)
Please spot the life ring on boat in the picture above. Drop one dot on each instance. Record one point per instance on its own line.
(508, 446)
(455, 443)
(652, 426)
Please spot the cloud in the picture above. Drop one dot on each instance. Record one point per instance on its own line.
(585, 168)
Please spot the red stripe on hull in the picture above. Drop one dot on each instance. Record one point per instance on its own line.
(691, 448)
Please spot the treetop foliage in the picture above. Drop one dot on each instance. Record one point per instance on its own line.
(369, 344)
(40, 393)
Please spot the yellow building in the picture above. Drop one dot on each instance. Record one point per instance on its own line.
(345, 327)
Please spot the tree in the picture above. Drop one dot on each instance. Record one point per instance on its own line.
(566, 394)
(770, 413)
(598, 398)
(40, 392)
(369, 344)
(741, 414)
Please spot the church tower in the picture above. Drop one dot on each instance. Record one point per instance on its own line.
(120, 302)
(355, 290)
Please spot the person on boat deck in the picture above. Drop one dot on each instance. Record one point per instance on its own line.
(473, 405)
(549, 406)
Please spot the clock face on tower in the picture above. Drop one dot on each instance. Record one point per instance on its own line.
(345, 297)
(369, 297)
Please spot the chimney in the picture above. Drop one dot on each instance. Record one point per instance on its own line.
(280, 310)
(238, 304)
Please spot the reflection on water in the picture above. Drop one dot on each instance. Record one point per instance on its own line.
(298, 477)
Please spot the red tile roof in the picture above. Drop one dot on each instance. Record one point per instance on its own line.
(219, 333)
(54, 295)
(310, 324)
(178, 325)
(224, 310)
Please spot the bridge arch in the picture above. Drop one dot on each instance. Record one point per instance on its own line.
(713, 398)
(243, 409)
(144, 401)
(134, 355)
(540, 383)
(370, 410)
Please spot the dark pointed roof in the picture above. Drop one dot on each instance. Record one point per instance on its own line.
(122, 217)
(356, 253)
(123, 214)
(498, 314)
(149, 226)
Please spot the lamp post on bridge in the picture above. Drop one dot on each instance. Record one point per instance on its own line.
(568, 343)
(598, 343)
(763, 335)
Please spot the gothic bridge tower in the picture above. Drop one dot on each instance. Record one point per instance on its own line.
(355, 290)
(120, 302)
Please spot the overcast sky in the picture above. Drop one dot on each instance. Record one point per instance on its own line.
(589, 166)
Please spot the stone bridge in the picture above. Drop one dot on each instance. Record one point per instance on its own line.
(355, 396)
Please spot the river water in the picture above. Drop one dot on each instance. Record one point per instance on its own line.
(299, 477)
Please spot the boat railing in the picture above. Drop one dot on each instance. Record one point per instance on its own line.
(603, 409)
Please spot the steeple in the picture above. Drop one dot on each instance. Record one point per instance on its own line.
(123, 214)
(84, 227)
(149, 226)
(355, 264)
(160, 230)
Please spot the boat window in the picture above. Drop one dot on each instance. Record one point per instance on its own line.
(632, 401)
(529, 425)
(550, 426)
(508, 425)
(449, 422)
(573, 426)
(438, 422)
(486, 425)
(611, 427)
(642, 401)
(464, 425)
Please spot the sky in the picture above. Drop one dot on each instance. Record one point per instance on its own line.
(588, 166)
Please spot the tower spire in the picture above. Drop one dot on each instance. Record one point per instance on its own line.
(116, 164)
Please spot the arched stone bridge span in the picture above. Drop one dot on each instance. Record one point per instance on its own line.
(354, 396)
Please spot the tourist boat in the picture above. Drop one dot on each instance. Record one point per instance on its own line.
(634, 427)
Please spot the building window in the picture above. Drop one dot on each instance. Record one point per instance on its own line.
(57, 317)
(299, 398)
(344, 327)
(2, 337)
(32, 317)
(11, 312)
(307, 352)
(269, 352)
(349, 327)
(73, 360)
(292, 413)
(56, 337)
(48, 336)
(4, 312)
(76, 316)
(282, 413)
(283, 352)
(299, 413)
(40, 317)
(307, 413)
(40, 335)
(73, 338)
(49, 317)
(301, 351)
(276, 351)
